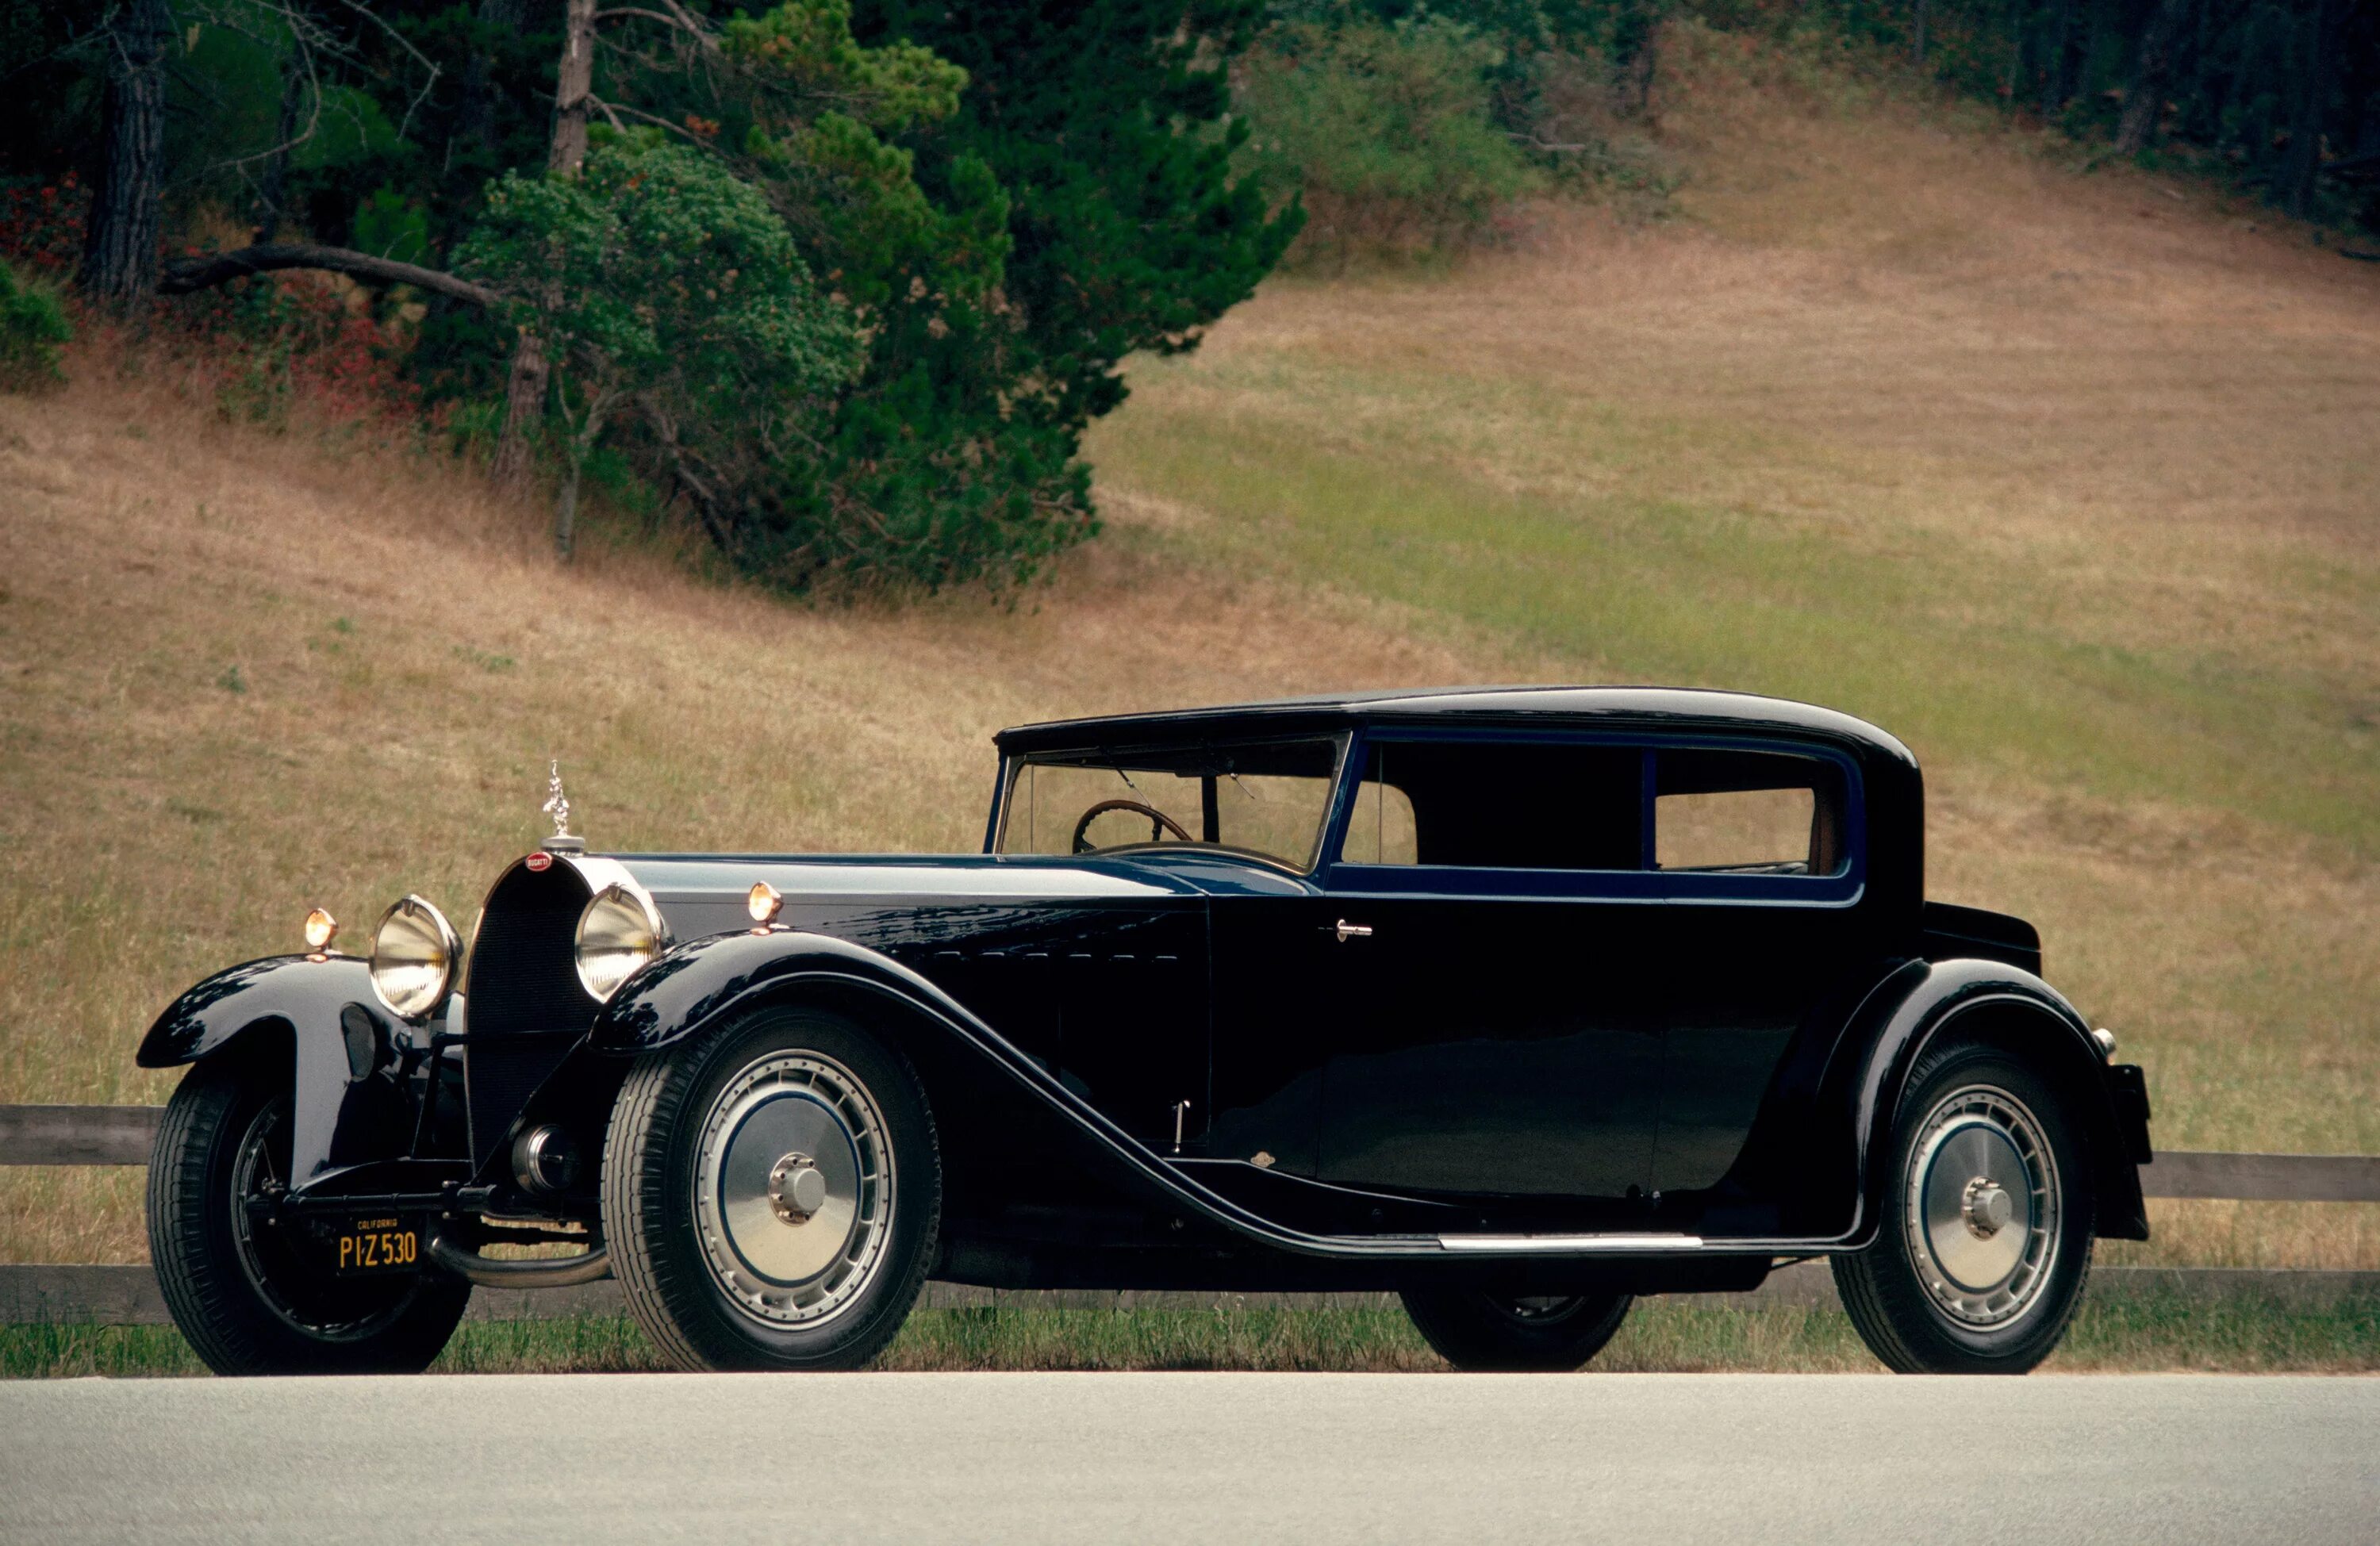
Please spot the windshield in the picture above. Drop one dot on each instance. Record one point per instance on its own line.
(1266, 799)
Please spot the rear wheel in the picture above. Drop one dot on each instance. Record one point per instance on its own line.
(251, 1298)
(773, 1193)
(1475, 1329)
(1980, 1262)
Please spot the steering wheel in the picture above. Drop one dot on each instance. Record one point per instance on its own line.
(1157, 821)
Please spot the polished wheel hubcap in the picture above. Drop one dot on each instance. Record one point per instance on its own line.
(793, 1188)
(796, 1188)
(1983, 1206)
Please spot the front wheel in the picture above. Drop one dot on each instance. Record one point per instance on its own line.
(252, 1295)
(1473, 1329)
(1979, 1262)
(773, 1193)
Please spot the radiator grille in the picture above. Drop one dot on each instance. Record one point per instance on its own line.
(526, 1005)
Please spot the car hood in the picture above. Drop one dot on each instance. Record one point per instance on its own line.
(703, 894)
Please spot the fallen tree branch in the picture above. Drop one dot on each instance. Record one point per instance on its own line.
(192, 274)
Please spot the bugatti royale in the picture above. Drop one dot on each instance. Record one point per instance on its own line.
(1517, 1003)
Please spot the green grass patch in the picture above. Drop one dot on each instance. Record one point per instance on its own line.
(1943, 644)
(2135, 1333)
(2244, 1334)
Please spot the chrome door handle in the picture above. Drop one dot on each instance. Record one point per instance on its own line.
(1347, 931)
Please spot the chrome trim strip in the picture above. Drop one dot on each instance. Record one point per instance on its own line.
(1570, 1244)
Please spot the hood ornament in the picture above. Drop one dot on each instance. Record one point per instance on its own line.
(557, 805)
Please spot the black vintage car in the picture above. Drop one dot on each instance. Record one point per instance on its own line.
(1517, 1002)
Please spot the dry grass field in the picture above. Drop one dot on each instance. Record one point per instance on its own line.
(2073, 482)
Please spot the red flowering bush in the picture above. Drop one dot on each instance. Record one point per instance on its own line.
(40, 227)
(268, 343)
(257, 346)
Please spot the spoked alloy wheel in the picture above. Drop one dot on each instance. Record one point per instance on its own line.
(773, 1193)
(1481, 1330)
(298, 1293)
(250, 1295)
(1981, 1261)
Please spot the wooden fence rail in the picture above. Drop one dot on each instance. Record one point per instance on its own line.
(128, 1295)
(122, 1135)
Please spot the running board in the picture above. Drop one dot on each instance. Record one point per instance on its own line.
(1571, 1245)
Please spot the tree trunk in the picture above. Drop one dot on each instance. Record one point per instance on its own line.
(1635, 55)
(476, 115)
(581, 444)
(574, 79)
(524, 411)
(1917, 33)
(273, 186)
(188, 275)
(119, 254)
(565, 510)
(2058, 59)
(2306, 123)
(2146, 88)
(574, 82)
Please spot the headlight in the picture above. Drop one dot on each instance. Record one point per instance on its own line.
(619, 932)
(413, 956)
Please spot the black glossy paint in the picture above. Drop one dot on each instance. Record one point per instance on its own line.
(290, 1007)
(1165, 1065)
(1507, 1046)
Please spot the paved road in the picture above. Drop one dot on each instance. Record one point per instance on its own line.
(1212, 1458)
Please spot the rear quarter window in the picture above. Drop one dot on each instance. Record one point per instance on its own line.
(1748, 813)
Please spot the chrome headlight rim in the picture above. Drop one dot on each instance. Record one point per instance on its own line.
(627, 934)
(413, 969)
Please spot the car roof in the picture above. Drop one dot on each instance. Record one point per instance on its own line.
(1669, 709)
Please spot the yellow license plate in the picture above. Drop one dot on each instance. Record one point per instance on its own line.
(378, 1245)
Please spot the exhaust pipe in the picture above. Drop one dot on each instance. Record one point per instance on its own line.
(589, 1267)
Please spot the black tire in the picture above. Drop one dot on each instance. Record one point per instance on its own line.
(1904, 1295)
(1488, 1333)
(687, 1282)
(253, 1302)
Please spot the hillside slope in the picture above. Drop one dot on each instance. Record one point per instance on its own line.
(2071, 483)
(2074, 483)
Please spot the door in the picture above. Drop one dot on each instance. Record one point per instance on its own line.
(1494, 1030)
(1240, 823)
(1760, 852)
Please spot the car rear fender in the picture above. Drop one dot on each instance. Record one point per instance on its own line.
(2009, 1007)
(319, 1017)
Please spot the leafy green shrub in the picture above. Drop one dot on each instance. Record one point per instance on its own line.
(1080, 203)
(33, 330)
(1387, 132)
(664, 285)
(1582, 112)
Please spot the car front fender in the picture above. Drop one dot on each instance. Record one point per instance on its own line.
(699, 985)
(299, 1008)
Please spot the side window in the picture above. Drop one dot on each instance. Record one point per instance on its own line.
(1748, 813)
(1472, 805)
(1381, 831)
